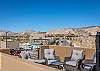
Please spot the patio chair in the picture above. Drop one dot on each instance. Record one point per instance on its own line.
(73, 62)
(49, 57)
(89, 64)
(24, 55)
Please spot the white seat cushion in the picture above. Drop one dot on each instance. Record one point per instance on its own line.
(40, 61)
(50, 61)
(87, 67)
(77, 54)
(72, 63)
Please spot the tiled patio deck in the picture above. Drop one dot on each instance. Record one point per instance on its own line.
(10, 63)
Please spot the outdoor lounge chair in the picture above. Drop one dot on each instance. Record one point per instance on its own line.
(49, 57)
(89, 64)
(73, 63)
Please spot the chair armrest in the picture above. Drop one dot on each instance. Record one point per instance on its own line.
(87, 61)
(67, 59)
(79, 63)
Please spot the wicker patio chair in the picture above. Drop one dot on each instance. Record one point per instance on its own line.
(89, 64)
(49, 57)
(73, 62)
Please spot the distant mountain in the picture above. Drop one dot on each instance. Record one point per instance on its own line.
(60, 31)
(29, 31)
(83, 30)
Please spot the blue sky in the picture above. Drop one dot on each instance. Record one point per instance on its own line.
(44, 15)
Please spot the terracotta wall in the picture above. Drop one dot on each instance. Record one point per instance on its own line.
(65, 51)
(89, 53)
(62, 51)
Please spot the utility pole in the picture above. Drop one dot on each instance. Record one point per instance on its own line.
(98, 51)
(6, 39)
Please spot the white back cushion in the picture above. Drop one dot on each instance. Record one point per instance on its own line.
(49, 53)
(77, 54)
